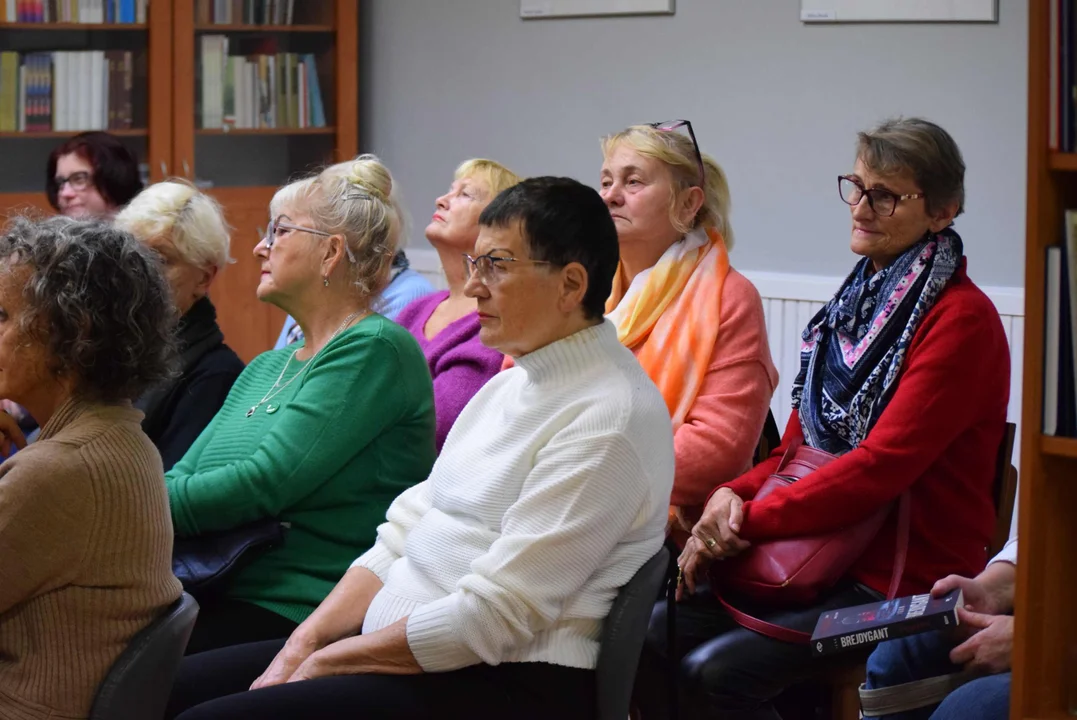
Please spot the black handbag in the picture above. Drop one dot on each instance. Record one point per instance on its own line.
(205, 563)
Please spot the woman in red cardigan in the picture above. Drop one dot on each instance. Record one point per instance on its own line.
(905, 377)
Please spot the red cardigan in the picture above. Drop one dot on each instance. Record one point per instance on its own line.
(938, 437)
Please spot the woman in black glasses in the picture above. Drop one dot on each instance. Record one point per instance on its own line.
(92, 175)
(901, 401)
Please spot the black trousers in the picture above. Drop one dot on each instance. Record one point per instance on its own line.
(223, 623)
(726, 671)
(213, 686)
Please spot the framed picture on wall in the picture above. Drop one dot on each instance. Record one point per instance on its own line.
(533, 9)
(898, 11)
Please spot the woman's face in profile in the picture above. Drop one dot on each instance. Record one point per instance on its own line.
(187, 282)
(77, 195)
(456, 216)
(23, 359)
(638, 190)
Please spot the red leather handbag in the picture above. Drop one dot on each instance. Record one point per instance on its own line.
(795, 572)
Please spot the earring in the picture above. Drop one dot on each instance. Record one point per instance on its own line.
(325, 280)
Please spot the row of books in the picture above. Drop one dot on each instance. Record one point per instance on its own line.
(245, 12)
(245, 84)
(1062, 76)
(1060, 334)
(70, 91)
(76, 11)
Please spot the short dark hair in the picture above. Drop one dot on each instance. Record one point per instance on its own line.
(563, 221)
(115, 169)
(98, 300)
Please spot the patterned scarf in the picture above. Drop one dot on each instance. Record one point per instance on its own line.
(854, 347)
(669, 316)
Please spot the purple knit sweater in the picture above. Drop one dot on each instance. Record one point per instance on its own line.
(459, 363)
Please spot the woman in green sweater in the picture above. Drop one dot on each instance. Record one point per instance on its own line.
(322, 435)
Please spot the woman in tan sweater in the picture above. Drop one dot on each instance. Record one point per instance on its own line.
(85, 534)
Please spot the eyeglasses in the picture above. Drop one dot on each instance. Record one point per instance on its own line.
(491, 269)
(882, 201)
(673, 126)
(79, 181)
(277, 228)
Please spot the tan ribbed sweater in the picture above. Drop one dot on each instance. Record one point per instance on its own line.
(85, 557)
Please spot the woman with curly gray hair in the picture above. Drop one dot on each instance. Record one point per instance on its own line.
(321, 435)
(85, 326)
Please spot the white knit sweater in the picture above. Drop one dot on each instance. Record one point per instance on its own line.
(551, 491)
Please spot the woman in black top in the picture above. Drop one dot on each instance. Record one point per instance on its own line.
(188, 231)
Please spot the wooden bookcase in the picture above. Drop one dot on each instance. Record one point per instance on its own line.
(241, 167)
(1045, 651)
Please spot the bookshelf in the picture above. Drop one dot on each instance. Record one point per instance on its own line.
(69, 26)
(245, 165)
(1045, 650)
(234, 27)
(241, 166)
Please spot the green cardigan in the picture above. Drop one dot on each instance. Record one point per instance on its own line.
(328, 454)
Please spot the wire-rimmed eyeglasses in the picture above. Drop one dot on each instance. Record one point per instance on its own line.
(490, 269)
(276, 226)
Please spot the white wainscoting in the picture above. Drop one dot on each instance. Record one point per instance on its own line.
(789, 301)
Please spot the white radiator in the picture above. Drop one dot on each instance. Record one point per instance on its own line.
(789, 301)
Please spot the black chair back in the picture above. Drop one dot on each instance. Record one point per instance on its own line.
(139, 682)
(622, 637)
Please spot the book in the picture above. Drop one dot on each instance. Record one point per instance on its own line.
(866, 625)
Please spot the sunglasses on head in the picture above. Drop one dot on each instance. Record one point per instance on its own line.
(673, 126)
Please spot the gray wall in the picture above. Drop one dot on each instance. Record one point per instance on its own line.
(776, 102)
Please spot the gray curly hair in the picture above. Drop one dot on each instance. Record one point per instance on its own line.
(97, 299)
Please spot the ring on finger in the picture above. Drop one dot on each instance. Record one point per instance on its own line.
(710, 543)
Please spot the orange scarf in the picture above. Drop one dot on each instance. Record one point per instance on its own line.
(669, 316)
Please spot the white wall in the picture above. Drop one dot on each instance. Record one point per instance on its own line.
(775, 101)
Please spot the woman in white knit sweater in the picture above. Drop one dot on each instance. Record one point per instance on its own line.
(485, 593)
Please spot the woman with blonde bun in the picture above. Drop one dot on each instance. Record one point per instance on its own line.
(324, 434)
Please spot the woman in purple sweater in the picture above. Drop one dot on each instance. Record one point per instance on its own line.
(446, 323)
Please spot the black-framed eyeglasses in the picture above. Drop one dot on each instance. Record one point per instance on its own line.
(490, 269)
(78, 181)
(277, 228)
(673, 126)
(882, 201)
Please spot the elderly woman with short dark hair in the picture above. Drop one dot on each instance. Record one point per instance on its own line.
(904, 379)
(85, 534)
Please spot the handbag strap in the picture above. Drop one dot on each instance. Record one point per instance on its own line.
(777, 632)
(798, 637)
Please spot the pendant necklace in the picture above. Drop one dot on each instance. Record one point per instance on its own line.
(278, 388)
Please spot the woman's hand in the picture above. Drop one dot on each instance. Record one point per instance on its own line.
(11, 436)
(295, 653)
(691, 564)
(718, 526)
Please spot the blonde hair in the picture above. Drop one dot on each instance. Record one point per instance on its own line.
(676, 151)
(496, 176)
(354, 199)
(191, 220)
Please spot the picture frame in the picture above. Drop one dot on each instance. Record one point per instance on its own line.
(538, 9)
